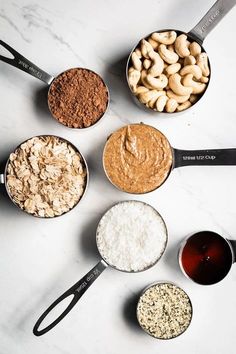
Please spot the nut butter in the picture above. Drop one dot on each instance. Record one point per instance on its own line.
(137, 158)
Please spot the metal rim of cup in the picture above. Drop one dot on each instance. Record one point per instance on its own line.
(164, 248)
(84, 162)
(182, 245)
(142, 105)
(159, 283)
(138, 193)
(102, 116)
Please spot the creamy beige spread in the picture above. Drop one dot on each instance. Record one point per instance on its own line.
(137, 158)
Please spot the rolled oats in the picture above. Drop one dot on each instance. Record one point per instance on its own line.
(46, 176)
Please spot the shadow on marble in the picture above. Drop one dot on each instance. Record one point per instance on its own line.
(115, 78)
(129, 311)
(87, 240)
(171, 257)
(6, 205)
(97, 175)
(25, 315)
(41, 102)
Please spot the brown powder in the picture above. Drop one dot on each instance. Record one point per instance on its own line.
(78, 98)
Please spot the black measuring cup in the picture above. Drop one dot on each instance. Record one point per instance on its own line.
(80, 287)
(197, 34)
(180, 158)
(27, 66)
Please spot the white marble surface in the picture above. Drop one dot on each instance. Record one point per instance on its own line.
(40, 259)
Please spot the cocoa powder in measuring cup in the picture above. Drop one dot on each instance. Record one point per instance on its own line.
(78, 98)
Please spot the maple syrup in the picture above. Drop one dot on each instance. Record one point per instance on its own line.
(206, 257)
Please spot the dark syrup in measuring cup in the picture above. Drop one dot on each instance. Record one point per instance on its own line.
(206, 257)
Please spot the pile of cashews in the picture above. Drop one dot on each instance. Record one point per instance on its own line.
(167, 72)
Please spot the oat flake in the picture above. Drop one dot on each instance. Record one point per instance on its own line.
(46, 176)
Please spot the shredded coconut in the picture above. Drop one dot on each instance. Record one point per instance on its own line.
(131, 236)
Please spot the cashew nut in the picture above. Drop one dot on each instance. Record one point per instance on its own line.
(161, 102)
(164, 37)
(193, 98)
(168, 73)
(173, 68)
(153, 43)
(171, 48)
(148, 96)
(195, 49)
(131, 69)
(145, 48)
(181, 46)
(204, 79)
(167, 55)
(136, 61)
(171, 105)
(147, 63)
(158, 64)
(143, 79)
(157, 83)
(134, 77)
(138, 52)
(202, 62)
(141, 89)
(179, 99)
(177, 87)
(190, 60)
(152, 102)
(184, 106)
(197, 87)
(192, 69)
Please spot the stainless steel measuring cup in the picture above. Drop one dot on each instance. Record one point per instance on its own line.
(158, 310)
(180, 158)
(80, 287)
(206, 257)
(3, 176)
(198, 33)
(24, 64)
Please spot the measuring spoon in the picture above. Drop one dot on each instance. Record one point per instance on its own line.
(27, 66)
(198, 33)
(79, 288)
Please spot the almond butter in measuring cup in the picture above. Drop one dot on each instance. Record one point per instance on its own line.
(137, 158)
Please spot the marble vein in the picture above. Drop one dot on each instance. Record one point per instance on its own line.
(13, 25)
(34, 19)
(201, 206)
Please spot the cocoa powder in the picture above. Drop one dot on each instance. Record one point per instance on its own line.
(78, 98)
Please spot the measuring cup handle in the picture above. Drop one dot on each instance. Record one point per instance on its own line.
(78, 289)
(24, 64)
(233, 245)
(211, 19)
(2, 179)
(212, 157)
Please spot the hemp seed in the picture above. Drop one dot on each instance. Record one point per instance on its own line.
(164, 311)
